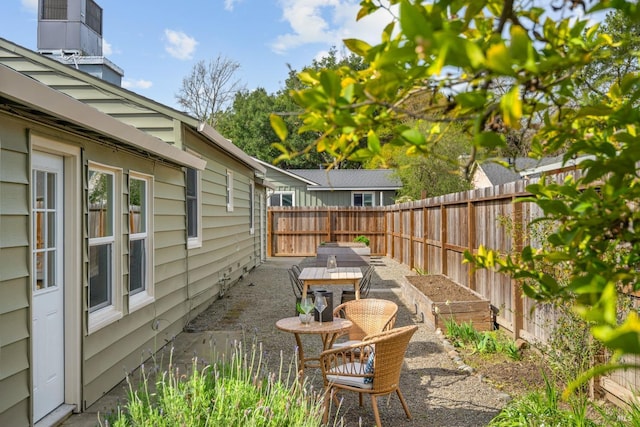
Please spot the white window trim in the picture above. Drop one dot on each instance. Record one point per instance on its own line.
(293, 197)
(146, 296)
(229, 190)
(252, 210)
(195, 242)
(373, 197)
(107, 315)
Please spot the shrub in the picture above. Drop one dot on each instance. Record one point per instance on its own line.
(361, 239)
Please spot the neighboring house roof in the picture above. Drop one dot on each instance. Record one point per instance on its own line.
(37, 99)
(522, 167)
(341, 179)
(269, 166)
(350, 179)
(126, 106)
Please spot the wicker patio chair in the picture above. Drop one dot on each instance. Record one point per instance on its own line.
(372, 367)
(369, 316)
(365, 286)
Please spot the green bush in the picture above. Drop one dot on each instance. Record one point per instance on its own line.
(362, 239)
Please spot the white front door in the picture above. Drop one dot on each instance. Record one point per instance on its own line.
(47, 282)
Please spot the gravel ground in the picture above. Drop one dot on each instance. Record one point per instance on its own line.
(437, 391)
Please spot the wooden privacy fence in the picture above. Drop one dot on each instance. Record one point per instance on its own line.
(431, 236)
(298, 231)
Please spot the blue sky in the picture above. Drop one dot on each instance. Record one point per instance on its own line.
(157, 42)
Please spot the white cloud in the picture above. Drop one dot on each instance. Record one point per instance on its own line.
(30, 5)
(327, 22)
(179, 45)
(229, 4)
(136, 84)
(107, 49)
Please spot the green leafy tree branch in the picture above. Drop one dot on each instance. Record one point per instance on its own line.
(452, 54)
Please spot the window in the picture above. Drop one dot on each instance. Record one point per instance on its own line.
(54, 9)
(281, 198)
(252, 189)
(194, 206)
(140, 239)
(229, 191)
(104, 294)
(362, 199)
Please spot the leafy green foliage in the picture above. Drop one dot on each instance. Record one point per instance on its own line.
(267, 125)
(453, 55)
(361, 239)
(487, 342)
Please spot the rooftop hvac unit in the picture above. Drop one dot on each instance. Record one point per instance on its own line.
(70, 25)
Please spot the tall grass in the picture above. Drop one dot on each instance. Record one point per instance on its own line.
(543, 409)
(231, 393)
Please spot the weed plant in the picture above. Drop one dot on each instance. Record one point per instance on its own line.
(542, 408)
(227, 393)
(463, 335)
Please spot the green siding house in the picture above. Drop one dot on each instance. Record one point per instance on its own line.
(121, 219)
(334, 187)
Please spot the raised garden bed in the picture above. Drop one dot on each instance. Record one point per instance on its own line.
(438, 298)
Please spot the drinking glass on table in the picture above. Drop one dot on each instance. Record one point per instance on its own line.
(306, 305)
(321, 304)
(332, 263)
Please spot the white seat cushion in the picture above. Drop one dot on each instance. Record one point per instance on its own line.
(342, 344)
(355, 367)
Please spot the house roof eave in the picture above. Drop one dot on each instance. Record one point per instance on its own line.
(318, 188)
(228, 146)
(25, 90)
(285, 172)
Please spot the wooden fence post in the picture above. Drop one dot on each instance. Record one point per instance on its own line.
(516, 290)
(471, 238)
(329, 225)
(412, 225)
(425, 238)
(443, 238)
(269, 234)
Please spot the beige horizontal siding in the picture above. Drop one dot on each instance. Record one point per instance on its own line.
(14, 198)
(13, 391)
(20, 411)
(14, 230)
(14, 326)
(14, 262)
(14, 294)
(13, 167)
(13, 359)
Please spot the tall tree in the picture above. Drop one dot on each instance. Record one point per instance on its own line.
(439, 172)
(246, 121)
(462, 48)
(618, 60)
(209, 88)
